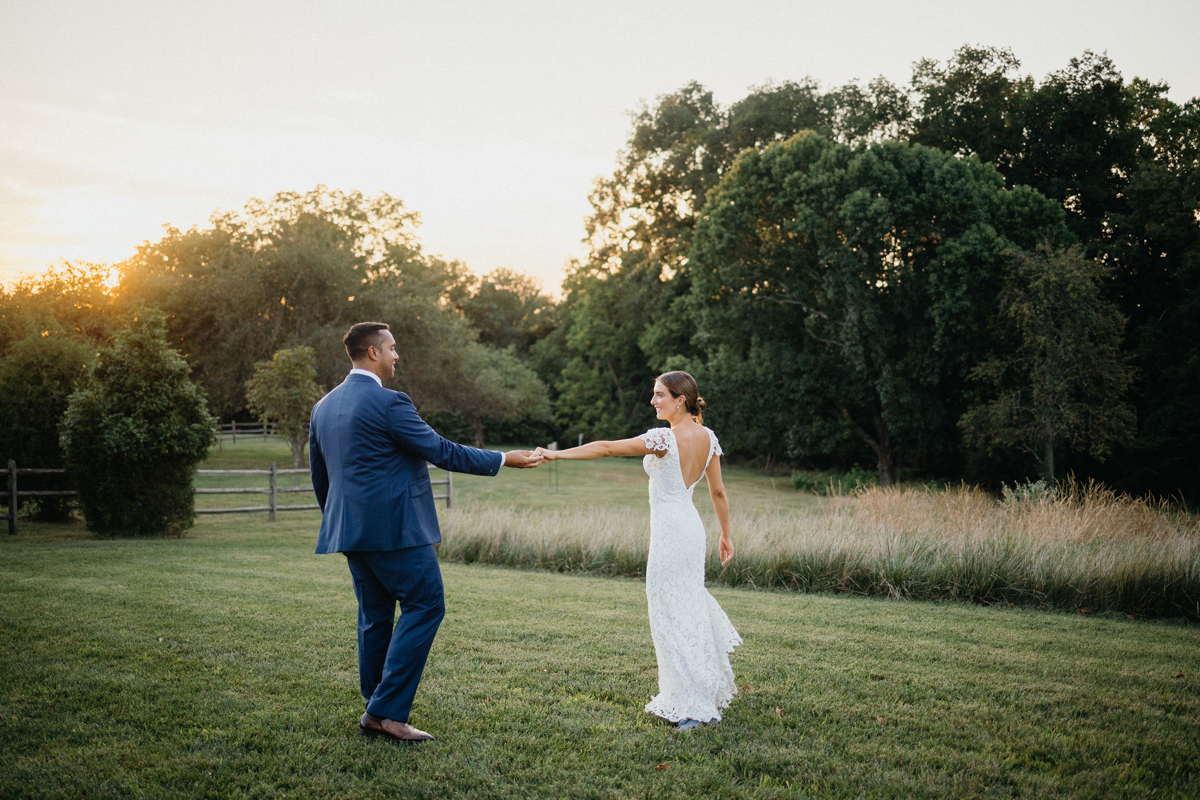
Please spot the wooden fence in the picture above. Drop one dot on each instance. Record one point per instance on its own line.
(272, 490)
(13, 494)
(246, 430)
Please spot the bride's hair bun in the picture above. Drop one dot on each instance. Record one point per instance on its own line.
(699, 406)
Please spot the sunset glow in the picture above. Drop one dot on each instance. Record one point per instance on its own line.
(492, 122)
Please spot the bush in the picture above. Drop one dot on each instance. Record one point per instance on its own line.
(832, 482)
(133, 434)
(37, 376)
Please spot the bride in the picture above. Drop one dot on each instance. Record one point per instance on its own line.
(692, 636)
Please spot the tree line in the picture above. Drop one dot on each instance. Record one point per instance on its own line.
(974, 275)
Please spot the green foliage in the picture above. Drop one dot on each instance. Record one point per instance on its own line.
(833, 482)
(298, 270)
(284, 390)
(605, 384)
(1059, 377)
(293, 271)
(1120, 160)
(864, 277)
(133, 434)
(508, 309)
(625, 311)
(37, 376)
(75, 301)
(1124, 162)
(1073, 137)
(1028, 492)
(496, 386)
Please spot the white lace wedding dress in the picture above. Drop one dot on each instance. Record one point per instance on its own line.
(692, 635)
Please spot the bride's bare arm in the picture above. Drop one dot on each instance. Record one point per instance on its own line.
(716, 490)
(591, 450)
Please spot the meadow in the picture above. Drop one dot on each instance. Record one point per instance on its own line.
(1082, 548)
(222, 664)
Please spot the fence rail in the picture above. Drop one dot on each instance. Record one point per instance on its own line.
(234, 429)
(272, 490)
(13, 495)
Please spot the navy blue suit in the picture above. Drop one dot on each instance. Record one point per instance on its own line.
(368, 448)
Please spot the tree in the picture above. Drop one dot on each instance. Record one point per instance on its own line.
(297, 270)
(508, 309)
(1059, 378)
(623, 315)
(37, 376)
(972, 104)
(72, 301)
(867, 274)
(500, 388)
(133, 434)
(283, 390)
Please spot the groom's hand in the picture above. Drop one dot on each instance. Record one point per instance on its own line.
(522, 459)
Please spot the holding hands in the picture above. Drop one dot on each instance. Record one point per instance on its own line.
(523, 459)
(548, 455)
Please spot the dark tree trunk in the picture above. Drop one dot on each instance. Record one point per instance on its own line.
(769, 466)
(887, 467)
(886, 454)
(1048, 456)
(477, 424)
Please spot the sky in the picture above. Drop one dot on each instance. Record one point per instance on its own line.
(489, 119)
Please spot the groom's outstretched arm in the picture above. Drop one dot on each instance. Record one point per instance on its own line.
(413, 435)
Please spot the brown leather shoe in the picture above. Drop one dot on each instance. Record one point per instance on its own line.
(373, 727)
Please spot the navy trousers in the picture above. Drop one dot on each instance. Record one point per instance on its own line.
(391, 655)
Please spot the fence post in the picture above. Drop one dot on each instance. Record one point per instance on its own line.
(233, 430)
(449, 486)
(272, 503)
(12, 497)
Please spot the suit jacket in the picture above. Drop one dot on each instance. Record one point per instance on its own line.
(368, 449)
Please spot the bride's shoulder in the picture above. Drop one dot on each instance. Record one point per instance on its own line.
(658, 438)
(716, 443)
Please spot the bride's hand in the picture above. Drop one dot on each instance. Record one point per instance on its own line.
(726, 549)
(548, 455)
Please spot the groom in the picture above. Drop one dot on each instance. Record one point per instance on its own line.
(368, 448)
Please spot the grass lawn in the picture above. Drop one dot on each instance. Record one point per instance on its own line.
(223, 665)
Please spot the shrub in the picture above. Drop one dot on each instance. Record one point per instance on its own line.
(37, 376)
(832, 482)
(133, 434)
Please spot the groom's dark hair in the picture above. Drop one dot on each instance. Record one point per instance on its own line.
(361, 337)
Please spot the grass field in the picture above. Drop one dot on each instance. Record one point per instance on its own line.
(223, 665)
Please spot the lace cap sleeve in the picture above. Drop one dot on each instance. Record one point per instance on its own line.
(716, 445)
(657, 439)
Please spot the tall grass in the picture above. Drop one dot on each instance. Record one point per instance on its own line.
(1082, 547)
